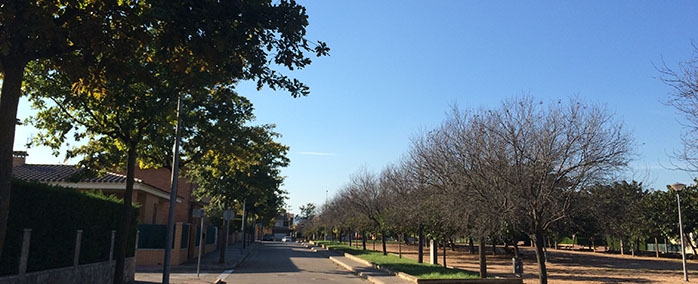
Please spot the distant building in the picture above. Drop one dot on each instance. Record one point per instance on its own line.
(283, 226)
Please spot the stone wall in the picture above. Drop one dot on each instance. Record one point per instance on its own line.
(100, 272)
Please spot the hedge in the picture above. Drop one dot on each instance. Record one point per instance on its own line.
(55, 214)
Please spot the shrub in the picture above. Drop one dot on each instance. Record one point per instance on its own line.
(55, 214)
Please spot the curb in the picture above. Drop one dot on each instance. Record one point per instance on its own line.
(244, 256)
(355, 272)
(372, 279)
(401, 275)
(408, 277)
(236, 264)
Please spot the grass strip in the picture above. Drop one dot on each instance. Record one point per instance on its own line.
(405, 265)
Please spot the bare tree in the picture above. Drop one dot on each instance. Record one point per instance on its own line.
(520, 165)
(544, 155)
(365, 194)
(684, 98)
(402, 214)
(443, 169)
(516, 168)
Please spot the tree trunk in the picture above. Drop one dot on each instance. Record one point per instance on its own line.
(482, 258)
(399, 245)
(385, 250)
(540, 257)
(516, 249)
(445, 252)
(471, 245)
(125, 224)
(221, 243)
(593, 244)
(363, 239)
(420, 246)
(656, 247)
(690, 243)
(13, 70)
(622, 247)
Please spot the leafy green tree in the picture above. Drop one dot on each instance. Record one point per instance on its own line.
(247, 170)
(121, 91)
(114, 119)
(623, 201)
(689, 213)
(34, 30)
(581, 224)
(308, 211)
(659, 208)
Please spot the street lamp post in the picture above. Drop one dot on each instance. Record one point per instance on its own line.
(325, 237)
(678, 187)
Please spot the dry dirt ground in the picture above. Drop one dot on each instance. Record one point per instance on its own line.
(569, 267)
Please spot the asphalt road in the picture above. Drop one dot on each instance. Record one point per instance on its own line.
(289, 263)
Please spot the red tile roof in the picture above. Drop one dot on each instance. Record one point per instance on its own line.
(64, 173)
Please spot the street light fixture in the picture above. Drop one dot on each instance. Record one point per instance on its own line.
(678, 187)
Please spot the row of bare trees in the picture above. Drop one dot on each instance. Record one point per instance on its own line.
(515, 170)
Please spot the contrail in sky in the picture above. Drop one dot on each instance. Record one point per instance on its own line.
(316, 153)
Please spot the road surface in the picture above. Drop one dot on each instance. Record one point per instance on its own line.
(289, 263)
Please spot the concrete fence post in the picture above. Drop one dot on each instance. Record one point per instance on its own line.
(24, 256)
(111, 247)
(433, 252)
(76, 256)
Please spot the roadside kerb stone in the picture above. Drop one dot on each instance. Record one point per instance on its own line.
(414, 279)
(402, 275)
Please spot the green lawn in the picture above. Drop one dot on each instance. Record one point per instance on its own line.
(406, 265)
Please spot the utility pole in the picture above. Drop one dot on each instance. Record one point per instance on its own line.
(173, 196)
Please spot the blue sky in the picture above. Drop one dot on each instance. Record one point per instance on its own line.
(396, 67)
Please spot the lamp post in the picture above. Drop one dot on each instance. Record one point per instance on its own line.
(678, 187)
(325, 237)
(173, 196)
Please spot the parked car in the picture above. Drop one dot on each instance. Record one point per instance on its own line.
(268, 237)
(286, 239)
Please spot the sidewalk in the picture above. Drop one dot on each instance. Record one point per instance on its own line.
(210, 270)
(360, 267)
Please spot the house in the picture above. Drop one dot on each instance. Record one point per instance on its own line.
(283, 226)
(151, 191)
(150, 197)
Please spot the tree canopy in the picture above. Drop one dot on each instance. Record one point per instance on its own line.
(118, 88)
